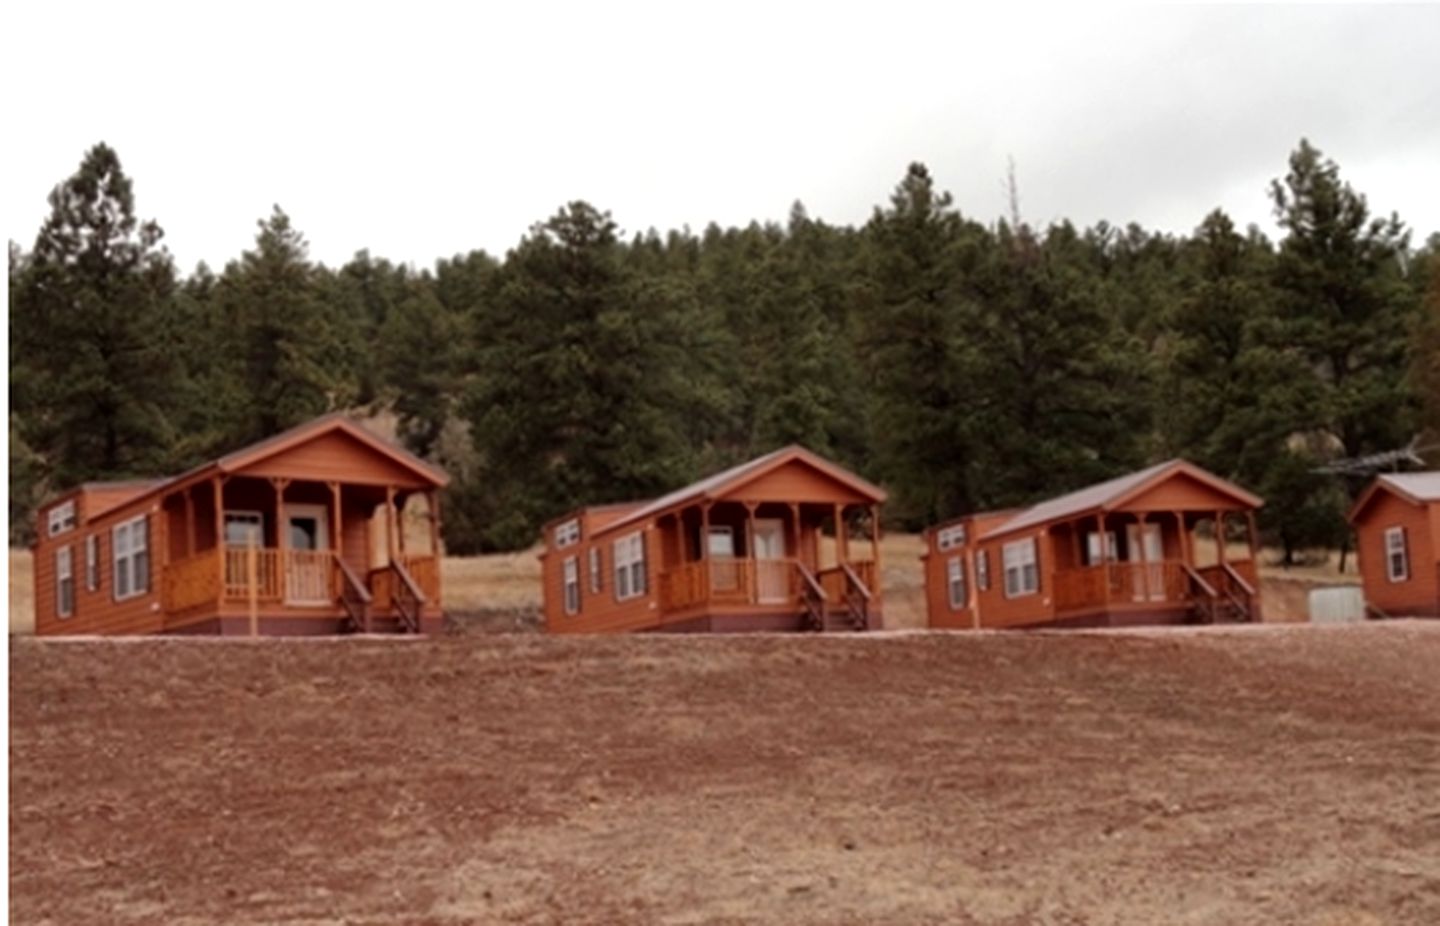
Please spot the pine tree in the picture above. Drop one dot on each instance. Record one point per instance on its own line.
(91, 323)
(419, 349)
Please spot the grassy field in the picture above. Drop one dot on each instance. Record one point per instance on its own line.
(506, 581)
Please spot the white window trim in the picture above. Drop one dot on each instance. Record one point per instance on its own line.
(1092, 551)
(1015, 557)
(1395, 543)
(92, 563)
(720, 530)
(64, 572)
(982, 570)
(950, 537)
(629, 556)
(570, 584)
(955, 575)
(597, 573)
(127, 559)
(567, 534)
(62, 518)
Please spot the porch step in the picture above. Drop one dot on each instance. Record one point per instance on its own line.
(839, 621)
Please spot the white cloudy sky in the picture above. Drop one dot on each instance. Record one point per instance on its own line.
(421, 130)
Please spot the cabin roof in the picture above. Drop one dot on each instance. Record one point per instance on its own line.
(1113, 493)
(726, 481)
(260, 450)
(1416, 488)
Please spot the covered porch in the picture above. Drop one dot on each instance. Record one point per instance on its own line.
(307, 551)
(1201, 564)
(820, 561)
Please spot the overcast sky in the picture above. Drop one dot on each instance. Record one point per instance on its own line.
(420, 131)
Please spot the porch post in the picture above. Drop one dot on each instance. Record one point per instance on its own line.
(875, 542)
(282, 538)
(337, 526)
(250, 578)
(189, 522)
(1220, 537)
(753, 582)
(218, 485)
(392, 546)
(1186, 555)
(1105, 556)
(433, 497)
(1254, 536)
(842, 552)
(1075, 531)
(705, 551)
(795, 531)
(1144, 556)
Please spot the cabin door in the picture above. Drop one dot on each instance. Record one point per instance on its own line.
(1147, 556)
(772, 579)
(307, 566)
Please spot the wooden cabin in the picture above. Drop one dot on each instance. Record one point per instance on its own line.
(323, 529)
(1168, 544)
(774, 544)
(1397, 540)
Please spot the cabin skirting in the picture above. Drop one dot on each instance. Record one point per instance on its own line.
(290, 626)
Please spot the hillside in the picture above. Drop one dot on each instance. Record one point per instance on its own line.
(1263, 774)
(511, 581)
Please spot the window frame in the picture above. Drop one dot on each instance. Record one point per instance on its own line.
(628, 553)
(955, 575)
(982, 570)
(570, 584)
(1112, 552)
(567, 533)
(127, 556)
(63, 576)
(949, 538)
(1397, 543)
(92, 563)
(61, 519)
(1021, 558)
(238, 514)
(597, 571)
(720, 530)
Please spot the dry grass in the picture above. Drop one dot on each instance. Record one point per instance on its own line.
(507, 581)
(22, 592)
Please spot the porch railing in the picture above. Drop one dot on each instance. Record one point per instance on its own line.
(269, 576)
(192, 581)
(1128, 583)
(763, 581)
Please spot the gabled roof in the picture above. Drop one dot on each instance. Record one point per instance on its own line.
(1114, 493)
(1415, 488)
(727, 481)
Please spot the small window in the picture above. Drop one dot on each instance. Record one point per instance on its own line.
(982, 570)
(629, 553)
(955, 581)
(64, 583)
(130, 553)
(1022, 575)
(1092, 548)
(951, 537)
(597, 574)
(567, 534)
(572, 585)
(62, 518)
(1397, 555)
(92, 563)
(243, 528)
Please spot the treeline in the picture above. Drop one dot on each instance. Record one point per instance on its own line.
(964, 365)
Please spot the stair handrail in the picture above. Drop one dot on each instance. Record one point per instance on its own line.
(1238, 579)
(856, 589)
(407, 584)
(813, 594)
(351, 586)
(854, 580)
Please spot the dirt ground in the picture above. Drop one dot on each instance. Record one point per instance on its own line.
(1270, 774)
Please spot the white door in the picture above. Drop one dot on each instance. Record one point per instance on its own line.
(1147, 552)
(772, 580)
(307, 567)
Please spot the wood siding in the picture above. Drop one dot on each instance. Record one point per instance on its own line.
(797, 482)
(1182, 492)
(1420, 593)
(96, 612)
(337, 457)
(599, 611)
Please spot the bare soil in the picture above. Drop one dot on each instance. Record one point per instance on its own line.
(1270, 774)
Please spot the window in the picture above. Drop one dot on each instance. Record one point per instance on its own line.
(243, 528)
(597, 576)
(721, 542)
(130, 552)
(1022, 577)
(1092, 548)
(1397, 555)
(567, 534)
(62, 518)
(951, 537)
(982, 570)
(955, 581)
(64, 583)
(629, 552)
(572, 585)
(92, 562)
